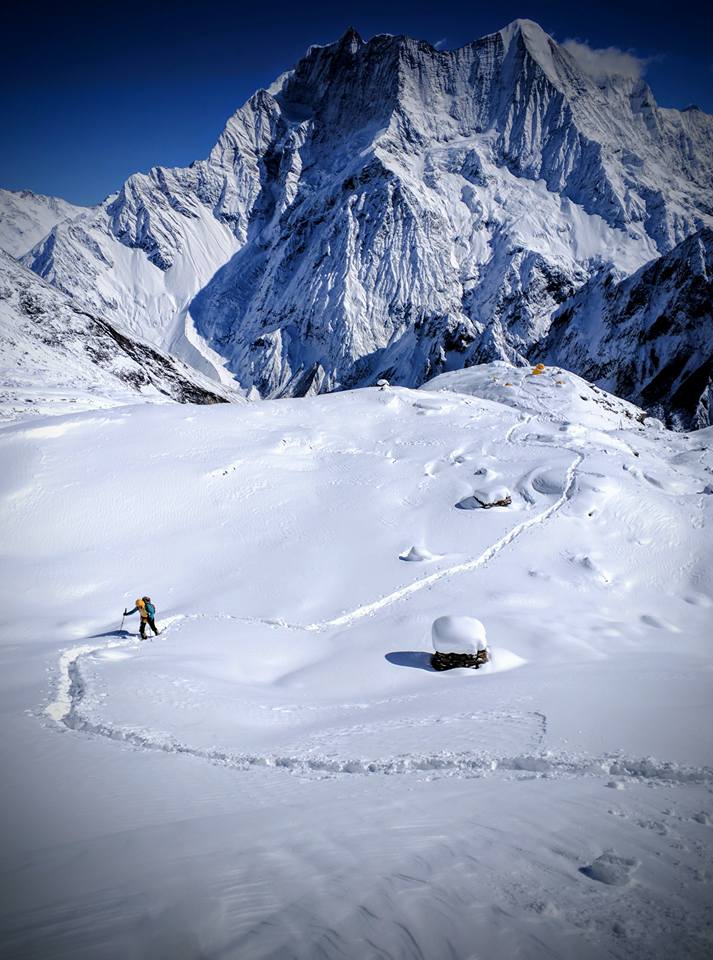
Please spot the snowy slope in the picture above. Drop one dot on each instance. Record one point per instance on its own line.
(27, 217)
(648, 337)
(89, 262)
(389, 209)
(280, 774)
(54, 353)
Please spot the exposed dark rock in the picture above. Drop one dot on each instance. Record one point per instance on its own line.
(449, 661)
(648, 338)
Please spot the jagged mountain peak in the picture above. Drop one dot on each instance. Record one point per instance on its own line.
(350, 40)
(531, 33)
(388, 209)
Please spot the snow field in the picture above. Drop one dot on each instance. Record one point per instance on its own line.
(280, 773)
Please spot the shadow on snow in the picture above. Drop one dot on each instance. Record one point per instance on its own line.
(417, 659)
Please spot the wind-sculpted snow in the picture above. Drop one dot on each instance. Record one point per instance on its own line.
(281, 772)
(386, 209)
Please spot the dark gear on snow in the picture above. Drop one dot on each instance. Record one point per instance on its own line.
(449, 661)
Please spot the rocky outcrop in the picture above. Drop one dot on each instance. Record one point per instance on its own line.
(55, 353)
(452, 661)
(649, 337)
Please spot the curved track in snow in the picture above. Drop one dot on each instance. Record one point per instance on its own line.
(64, 708)
(461, 764)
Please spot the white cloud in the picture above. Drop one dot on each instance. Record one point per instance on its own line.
(440, 44)
(606, 62)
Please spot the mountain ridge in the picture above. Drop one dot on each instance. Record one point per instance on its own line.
(648, 336)
(27, 217)
(388, 209)
(58, 357)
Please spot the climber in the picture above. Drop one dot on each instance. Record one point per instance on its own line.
(148, 612)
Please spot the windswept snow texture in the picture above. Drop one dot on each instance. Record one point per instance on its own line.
(649, 337)
(56, 357)
(280, 773)
(387, 209)
(26, 218)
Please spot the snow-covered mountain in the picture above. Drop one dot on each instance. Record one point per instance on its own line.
(648, 337)
(388, 209)
(27, 217)
(57, 357)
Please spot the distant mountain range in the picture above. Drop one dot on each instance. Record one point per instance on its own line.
(26, 218)
(386, 209)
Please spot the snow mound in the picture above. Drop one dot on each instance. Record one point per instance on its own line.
(458, 635)
(611, 869)
(418, 554)
(489, 495)
(493, 495)
(551, 391)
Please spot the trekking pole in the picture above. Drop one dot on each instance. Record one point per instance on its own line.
(121, 628)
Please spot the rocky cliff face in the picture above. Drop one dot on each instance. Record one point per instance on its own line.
(56, 356)
(387, 209)
(648, 337)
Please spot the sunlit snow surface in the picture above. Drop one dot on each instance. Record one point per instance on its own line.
(281, 773)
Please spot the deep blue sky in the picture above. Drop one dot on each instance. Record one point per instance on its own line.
(90, 93)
